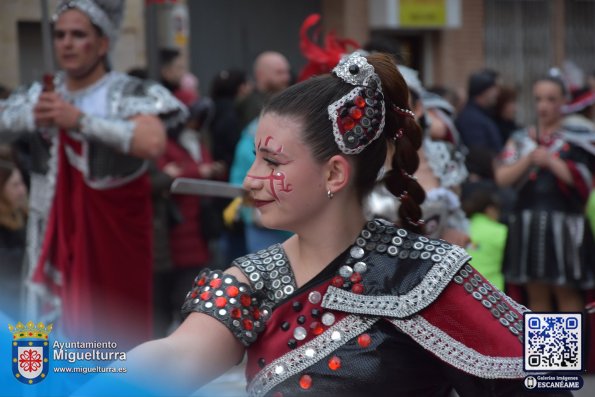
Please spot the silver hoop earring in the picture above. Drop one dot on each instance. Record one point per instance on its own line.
(330, 194)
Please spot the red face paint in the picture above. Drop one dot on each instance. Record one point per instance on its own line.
(277, 180)
(277, 183)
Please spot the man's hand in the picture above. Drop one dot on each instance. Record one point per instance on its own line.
(53, 111)
(173, 170)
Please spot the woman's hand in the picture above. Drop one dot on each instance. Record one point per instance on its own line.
(541, 157)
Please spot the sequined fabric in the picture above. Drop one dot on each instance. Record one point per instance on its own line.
(363, 321)
(233, 303)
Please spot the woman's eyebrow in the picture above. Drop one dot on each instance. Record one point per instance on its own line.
(264, 149)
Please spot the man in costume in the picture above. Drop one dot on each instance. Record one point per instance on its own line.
(91, 131)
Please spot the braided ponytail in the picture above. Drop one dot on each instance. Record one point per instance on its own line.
(401, 131)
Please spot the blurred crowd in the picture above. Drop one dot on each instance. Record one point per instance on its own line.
(517, 196)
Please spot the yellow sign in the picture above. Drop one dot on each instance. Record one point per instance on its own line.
(422, 13)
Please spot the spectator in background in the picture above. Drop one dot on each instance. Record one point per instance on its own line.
(453, 97)
(172, 68)
(165, 213)
(227, 89)
(475, 123)
(186, 156)
(13, 219)
(488, 236)
(505, 112)
(271, 75)
(550, 246)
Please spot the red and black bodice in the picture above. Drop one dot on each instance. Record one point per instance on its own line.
(395, 314)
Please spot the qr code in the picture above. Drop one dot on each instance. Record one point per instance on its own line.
(553, 342)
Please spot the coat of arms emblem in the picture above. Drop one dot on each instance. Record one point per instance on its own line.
(30, 351)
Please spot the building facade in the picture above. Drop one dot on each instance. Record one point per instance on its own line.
(445, 40)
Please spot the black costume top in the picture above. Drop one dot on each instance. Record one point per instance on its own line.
(396, 314)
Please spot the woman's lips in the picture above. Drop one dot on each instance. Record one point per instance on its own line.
(260, 203)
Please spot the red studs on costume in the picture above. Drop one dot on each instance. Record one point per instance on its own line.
(232, 291)
(220, 301)
(364, 340)
(215, 283)
(357, 288)
(201, 282)
(355, 277)
(337, 281)
(355, 113)
(236, 313)
(306, 382)
(359, 101)
(245, 300)
(334, 363)
(256, 313)
(205, 296)
(348, 123)
(316, 328)
(248, 324)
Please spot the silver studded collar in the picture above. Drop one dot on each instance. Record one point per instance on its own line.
(380, 237)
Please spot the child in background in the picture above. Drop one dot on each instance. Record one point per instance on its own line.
(488, 236)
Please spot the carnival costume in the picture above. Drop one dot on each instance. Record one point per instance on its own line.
(395, 314)
(89, 234)
(549, 238)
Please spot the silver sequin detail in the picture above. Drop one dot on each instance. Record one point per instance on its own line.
(360, 267)
(328, 319)
(298, 360)
(357, 252)
(300, 333)
(457, 354)
(269, 271)
(314, 297)
(404, 305)
(345, 271)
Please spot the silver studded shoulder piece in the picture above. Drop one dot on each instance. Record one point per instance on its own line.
(419, 267)
(130, 96)
(269, 272)
(224, 298)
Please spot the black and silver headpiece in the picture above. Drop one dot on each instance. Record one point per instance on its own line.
(358, 117)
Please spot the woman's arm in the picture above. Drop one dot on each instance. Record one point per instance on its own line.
(508, 174)
(200, 350)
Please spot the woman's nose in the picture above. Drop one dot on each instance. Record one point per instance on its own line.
(251, 183)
